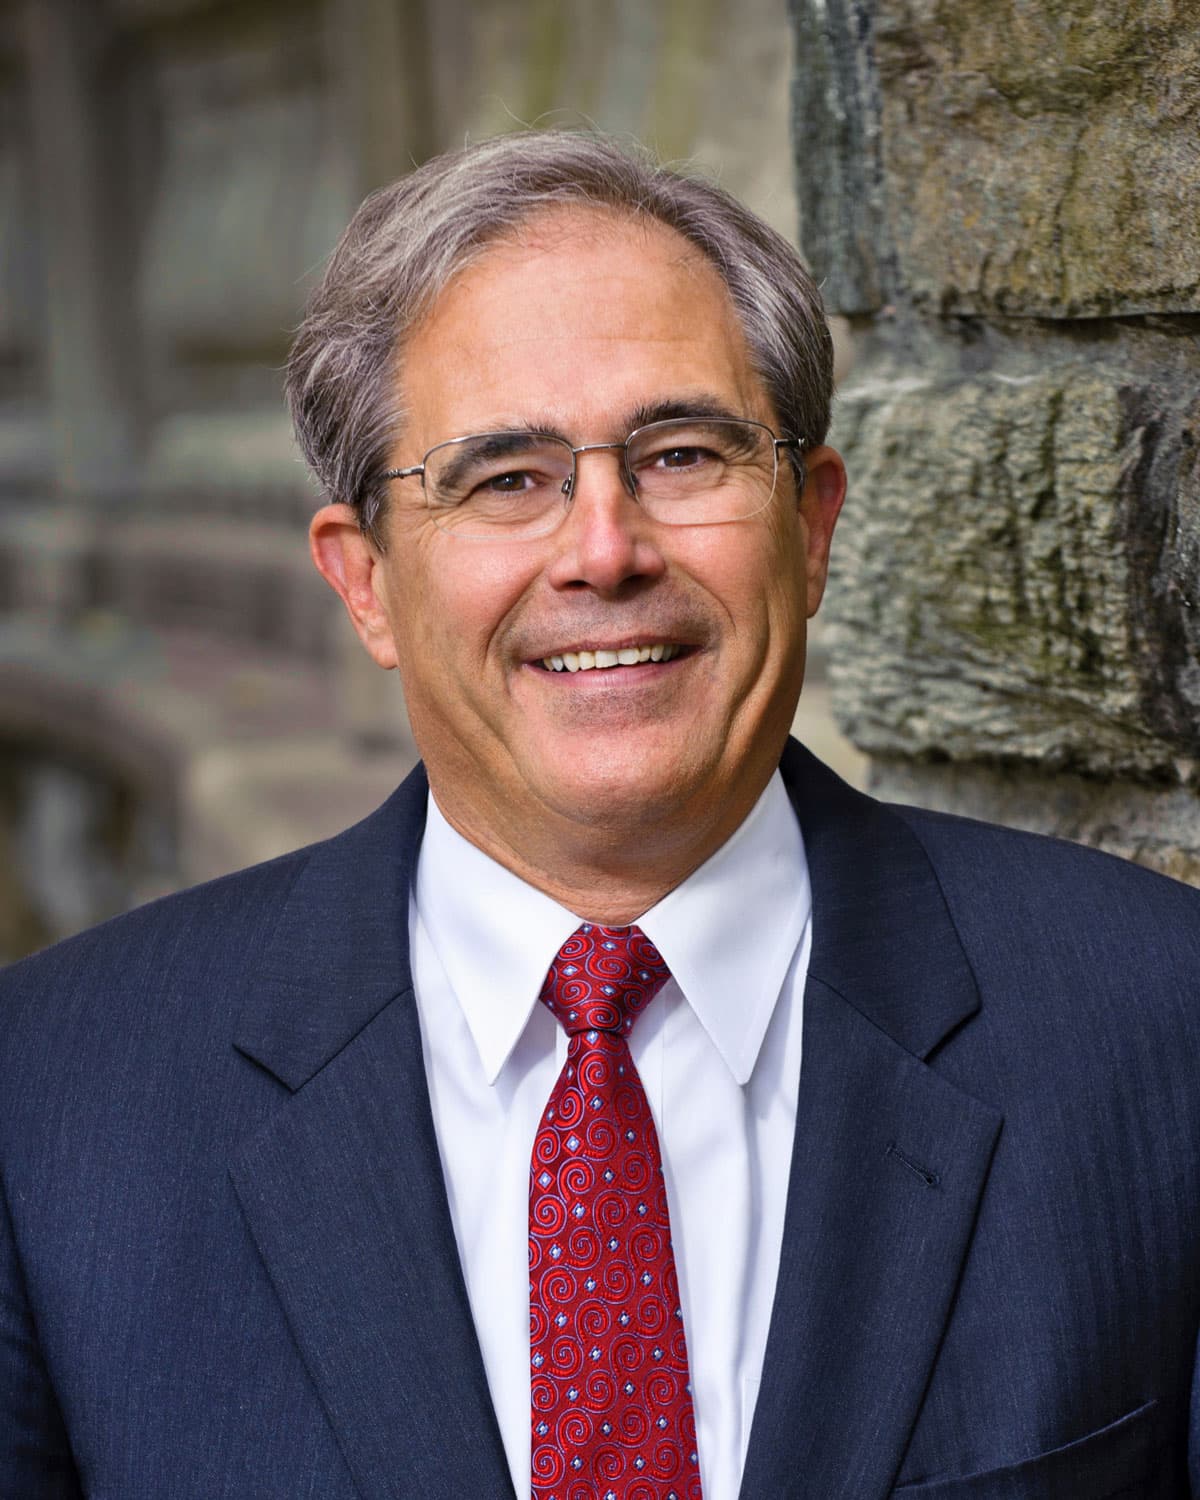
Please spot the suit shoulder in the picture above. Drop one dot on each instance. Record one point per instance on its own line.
(956, 839)
(1028, 891)
(224, 905)
(228, 914)
(196, 942)
(192, 958)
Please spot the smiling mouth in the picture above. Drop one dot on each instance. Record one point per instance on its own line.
(627, 656)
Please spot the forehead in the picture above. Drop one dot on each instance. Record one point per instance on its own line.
(582, 316)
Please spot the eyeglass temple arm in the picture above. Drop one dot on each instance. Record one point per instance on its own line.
(403, 473)
(796, 448)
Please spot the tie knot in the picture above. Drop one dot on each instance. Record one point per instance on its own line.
(602, 978)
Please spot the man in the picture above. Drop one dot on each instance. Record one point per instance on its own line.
(351, 1175)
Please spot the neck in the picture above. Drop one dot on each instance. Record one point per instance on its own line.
(604, 874)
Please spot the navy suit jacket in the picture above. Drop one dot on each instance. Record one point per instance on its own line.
(227, 1266)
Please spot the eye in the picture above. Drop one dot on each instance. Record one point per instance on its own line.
(676, 461)
(511, 482)
(683, 458)
(494, 467)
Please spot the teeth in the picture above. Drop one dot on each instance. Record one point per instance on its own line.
(627, 656)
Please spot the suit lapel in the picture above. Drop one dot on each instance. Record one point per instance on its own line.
(342, 1186)
(889, 1161)
(872, 1254)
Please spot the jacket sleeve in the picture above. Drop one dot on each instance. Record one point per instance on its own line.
(35, 1454)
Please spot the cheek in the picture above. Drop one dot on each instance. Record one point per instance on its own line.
(760, 583)
(457, 605)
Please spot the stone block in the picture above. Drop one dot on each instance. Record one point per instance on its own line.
(1000, 157)
(835, 116)
(1042, 160)
(1015, 572)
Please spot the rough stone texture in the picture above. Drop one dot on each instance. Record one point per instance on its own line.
(1043, 158)
(1001, 156)
(835, 113)
(1003, 585)
(1002, 194)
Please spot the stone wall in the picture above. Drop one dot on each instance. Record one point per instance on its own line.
(1004, 199)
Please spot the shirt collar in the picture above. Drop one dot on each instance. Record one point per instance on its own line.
(728, 933)
(494, 935)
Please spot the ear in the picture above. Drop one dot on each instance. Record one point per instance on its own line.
(352, 566)
(820, 505)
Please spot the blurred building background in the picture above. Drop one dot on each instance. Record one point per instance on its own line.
(179, 694)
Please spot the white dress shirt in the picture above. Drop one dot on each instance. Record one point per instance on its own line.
(718, 1052)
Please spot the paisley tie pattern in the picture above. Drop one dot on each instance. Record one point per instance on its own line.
(612, 1406)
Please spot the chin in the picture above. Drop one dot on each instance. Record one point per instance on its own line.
(625, 792)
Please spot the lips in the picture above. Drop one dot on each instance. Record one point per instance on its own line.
(606, 659)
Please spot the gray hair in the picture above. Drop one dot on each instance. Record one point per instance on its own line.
(409, 240)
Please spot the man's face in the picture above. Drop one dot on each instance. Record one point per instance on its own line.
(584, 323)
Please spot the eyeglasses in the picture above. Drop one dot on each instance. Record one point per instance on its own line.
(688, 471)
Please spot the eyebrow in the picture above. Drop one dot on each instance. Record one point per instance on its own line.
(499, 444)
(670, 410)
(667, 409)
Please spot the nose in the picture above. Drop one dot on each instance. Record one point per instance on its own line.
(606, 541)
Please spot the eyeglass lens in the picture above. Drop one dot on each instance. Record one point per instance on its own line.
(697, 471)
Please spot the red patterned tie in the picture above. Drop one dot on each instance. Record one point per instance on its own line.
(612, 1406)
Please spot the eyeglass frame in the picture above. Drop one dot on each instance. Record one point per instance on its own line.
(795, 445)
